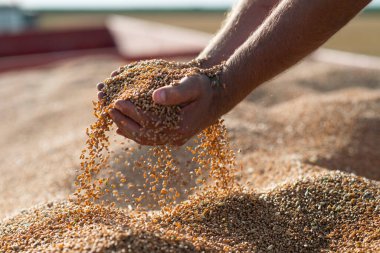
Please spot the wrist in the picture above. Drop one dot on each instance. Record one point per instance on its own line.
(226, 95)
(220, 98)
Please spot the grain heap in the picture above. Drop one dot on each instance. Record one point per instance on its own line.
(210, 159)
(331, 212)
(325, 212)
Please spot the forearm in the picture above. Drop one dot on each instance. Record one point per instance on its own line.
(293, 30)
(243, 20)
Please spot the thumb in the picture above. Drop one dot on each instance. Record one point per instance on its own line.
(186, 91)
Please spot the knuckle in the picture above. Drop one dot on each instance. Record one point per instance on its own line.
(123, 123)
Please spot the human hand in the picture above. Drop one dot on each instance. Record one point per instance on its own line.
(197, 99)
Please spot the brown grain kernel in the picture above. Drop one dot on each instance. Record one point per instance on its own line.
(211, 157)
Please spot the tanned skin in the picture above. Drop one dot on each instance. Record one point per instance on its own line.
(245, 18)
(260, 39)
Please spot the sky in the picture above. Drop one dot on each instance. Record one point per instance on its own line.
(127, 4)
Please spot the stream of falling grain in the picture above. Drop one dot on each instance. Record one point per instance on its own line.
(210, 160)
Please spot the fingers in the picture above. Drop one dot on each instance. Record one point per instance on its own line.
(127, 127)
(101, 95)
(130, 110)
(136, 125)
(100, 86)
(188, 90)
(115, 73)
(120, 132)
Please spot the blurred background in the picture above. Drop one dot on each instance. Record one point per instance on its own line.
(43, 31)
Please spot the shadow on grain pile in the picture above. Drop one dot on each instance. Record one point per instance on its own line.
(361, 154)
(330, 212)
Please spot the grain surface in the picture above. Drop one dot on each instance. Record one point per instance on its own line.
(308, 147)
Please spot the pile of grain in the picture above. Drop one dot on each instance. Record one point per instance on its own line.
(325, 212)
(330, 212)
(210, 159)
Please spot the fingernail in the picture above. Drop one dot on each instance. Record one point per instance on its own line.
(100, 95)
(114, 73)
(100, 86)
(159, 96)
